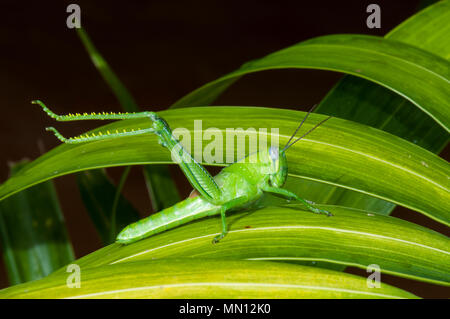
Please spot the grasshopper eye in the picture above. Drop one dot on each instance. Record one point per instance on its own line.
(274, 153)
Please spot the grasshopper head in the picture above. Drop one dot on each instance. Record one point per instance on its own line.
(279, 167)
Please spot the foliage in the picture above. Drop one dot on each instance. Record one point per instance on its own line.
(375, 153)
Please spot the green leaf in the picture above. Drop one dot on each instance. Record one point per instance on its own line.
(427, 30)
(289, 233)
(175, 278)
(97, 193)
(363, 159)
(365, 102)
(33, 234)
(389, 63)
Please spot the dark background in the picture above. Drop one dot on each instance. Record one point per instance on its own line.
(162, 51)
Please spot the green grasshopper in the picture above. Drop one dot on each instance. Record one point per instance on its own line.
(237, 186)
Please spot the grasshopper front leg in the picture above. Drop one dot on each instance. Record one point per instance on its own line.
(289, 195)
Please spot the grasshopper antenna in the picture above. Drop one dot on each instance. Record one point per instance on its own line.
(316, 126)
(304, 119)
(298, 127)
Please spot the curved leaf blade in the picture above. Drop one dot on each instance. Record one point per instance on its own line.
(428, 29)
(365, 102)
(351, 237)
(389, 63)
(174, 278)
